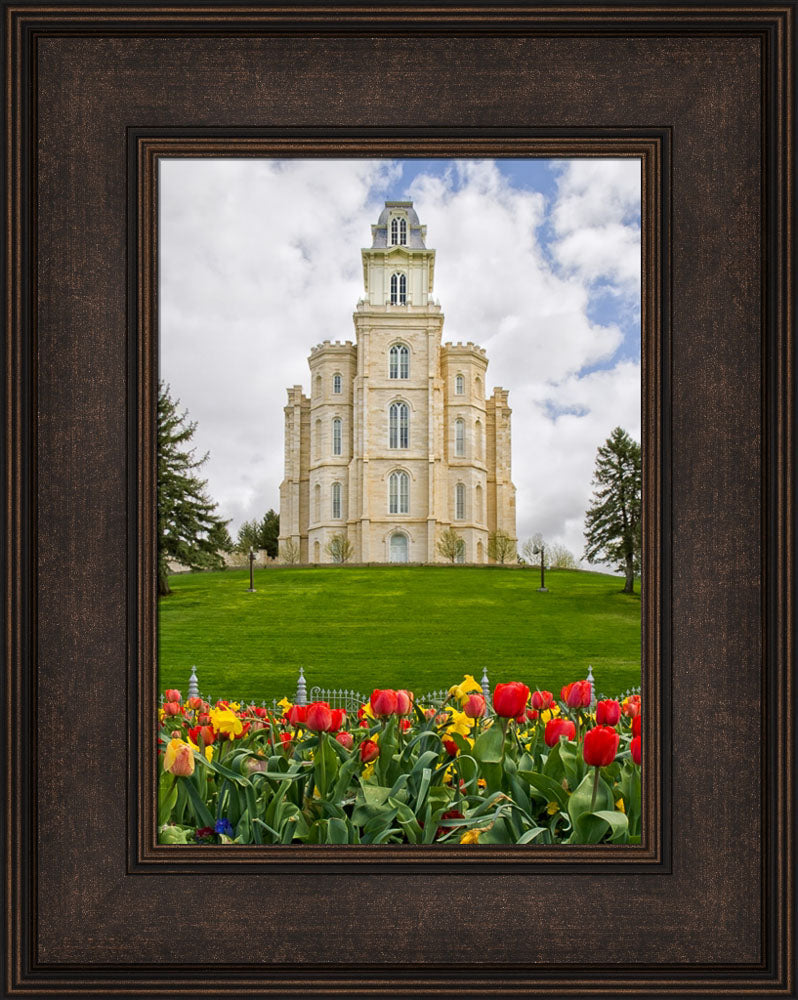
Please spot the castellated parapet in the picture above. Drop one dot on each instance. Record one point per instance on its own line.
(397, 441)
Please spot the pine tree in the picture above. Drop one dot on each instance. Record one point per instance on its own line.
(269, 532)
(613, 520)
(189, 530)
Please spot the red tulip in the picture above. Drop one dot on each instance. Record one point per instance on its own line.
(541, 700)
(368, 751)
(338, 719)
(600, 746)
(207, 733)
(531, 714)
(450, 746)
(193, 703)
(319, 717)
(509, 700)
(405, 724)
(297, 714)
(634, 746)
(631, 706)
(404, 702)
(285, 739)
(475, 706)
(555, 728)
(203, 720)
(262, 713)
(383, 703)
(345, 739)
(172, 695)
(608, 712)
(577, 694)
(172, 708)
(636, 723)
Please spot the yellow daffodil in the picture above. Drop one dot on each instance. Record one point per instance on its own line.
(235, 705)
(460, 723)
(368, 770)
(470, 837)
(549, 714)
(462, 691)
(285, 705)
(620, 806)
(552, 808)
(226, 722)
(179, 758)
(367, 711)
(209, 753)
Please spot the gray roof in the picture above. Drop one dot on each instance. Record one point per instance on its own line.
(415, 236)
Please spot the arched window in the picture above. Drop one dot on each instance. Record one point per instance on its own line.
(478, 504)
(460, 557)
(317, 442)
(398, 232)
(317, 502)
(399, 493)
(399, 362)
(480, 557)
(459, 502)
(459, 437)
(337, 383)
(478, 440)
(478, 387)
(459, 385)
(398, 551)
(398, 289)
(398, 425)
(318, 386)
(336, 434)
(336, 501)
(316, 552)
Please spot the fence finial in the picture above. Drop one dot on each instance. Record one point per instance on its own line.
(193, 685)
(592, 684)
(301, 689)
(485, 685)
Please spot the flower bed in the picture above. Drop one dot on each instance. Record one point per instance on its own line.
(528, 769)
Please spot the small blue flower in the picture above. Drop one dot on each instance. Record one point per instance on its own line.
(223, 826)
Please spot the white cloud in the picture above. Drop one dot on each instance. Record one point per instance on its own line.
(261, 260)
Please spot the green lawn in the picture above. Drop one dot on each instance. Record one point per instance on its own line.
(420, 627)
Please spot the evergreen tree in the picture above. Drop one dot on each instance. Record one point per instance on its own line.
(613, 520)
(269, 532)
(189, 530)
(248, 537)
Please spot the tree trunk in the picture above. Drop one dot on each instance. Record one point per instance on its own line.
(163, 584)
(629, 586)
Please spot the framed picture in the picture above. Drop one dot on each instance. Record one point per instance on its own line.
(98, 99)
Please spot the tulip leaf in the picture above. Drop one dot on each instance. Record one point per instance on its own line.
(551, 789)
(337, 831)
(617, 821)
(581, 801)
(204, 817)
(530, 835)
(489, 746)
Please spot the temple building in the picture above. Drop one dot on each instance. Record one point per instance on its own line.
(397, 442)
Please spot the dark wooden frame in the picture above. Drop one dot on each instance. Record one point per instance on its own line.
(705, 95)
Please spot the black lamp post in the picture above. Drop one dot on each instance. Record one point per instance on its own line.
(542, 550)
(251, 572)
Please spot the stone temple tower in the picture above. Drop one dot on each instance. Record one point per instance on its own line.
(397, 441)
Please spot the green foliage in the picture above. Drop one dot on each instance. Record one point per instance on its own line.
(278, 784)
(257, 535)
(189, 529)
(333, 621)
(613, 520)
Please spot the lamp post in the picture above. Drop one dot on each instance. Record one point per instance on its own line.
(541, 548)
(251, 572)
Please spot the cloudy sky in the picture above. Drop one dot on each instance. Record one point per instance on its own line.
(537, 260)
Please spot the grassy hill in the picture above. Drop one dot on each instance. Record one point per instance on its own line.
(420, 627)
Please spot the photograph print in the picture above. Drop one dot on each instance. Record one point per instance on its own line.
(399, 501)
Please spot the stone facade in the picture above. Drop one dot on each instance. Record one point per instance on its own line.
(397, 441)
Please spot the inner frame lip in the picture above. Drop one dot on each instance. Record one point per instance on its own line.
(146, 147)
